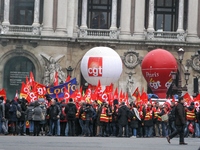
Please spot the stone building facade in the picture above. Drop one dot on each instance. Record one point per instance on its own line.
(34, 31)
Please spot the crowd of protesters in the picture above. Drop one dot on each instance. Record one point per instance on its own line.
(52, 118)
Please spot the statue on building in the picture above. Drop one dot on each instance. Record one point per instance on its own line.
(52, 65)
(129, 86)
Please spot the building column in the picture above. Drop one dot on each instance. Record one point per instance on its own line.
(48, 17)
(114, 15)
(139, 19)
(125, 19)
(6, 12)
(180, 16)
(84, 14)
(192, 21)
(70, 17)
(62, 17)
(36, 13)
(151, 16)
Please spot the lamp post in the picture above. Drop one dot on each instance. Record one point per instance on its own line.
(69, 71)
(179, 88)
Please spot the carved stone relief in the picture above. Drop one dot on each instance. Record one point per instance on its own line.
(131, 59)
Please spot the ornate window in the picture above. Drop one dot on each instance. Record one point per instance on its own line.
(99, 14)
(22, 12)
(166, 15)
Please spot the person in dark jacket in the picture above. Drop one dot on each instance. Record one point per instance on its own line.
(22, 104)
(134, 120)
(123, 113)
(37, 117)
(29, 117)
(180, 122)
(54, 114)
(13, 116)
(71, 111)
(172, 127)
(7, 114)
(89, 115)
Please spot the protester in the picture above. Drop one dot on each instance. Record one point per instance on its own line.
(180, 122)
(71, 111)
(54, 114)
(38, 116)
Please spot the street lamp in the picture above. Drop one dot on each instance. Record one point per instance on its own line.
(179, 88)
(69, 71)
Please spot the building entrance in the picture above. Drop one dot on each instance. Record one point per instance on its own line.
(15, 71)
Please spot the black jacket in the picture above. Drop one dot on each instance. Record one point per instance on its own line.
(71, 111)
(123, 113)
(53, 112)
(180, 115)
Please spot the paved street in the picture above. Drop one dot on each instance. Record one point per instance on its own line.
(93, 143)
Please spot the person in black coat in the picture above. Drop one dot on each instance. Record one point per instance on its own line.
(180, 122)
(13, 116)
(54, 114)
(71, 111)
(123, 113)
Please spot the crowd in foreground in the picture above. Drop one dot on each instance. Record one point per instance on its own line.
(53, 118)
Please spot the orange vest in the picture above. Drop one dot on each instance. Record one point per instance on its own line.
(148, 115)
(190, 115)
(103, 116)
(156, 114)
(77, 114)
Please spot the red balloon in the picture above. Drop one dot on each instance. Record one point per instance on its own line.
(157, 66)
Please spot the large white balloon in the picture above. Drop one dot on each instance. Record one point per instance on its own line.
(101, 63)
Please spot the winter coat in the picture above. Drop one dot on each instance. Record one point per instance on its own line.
(7, 107)
(135, 118)
(71, 107)
(37, 114)
(22, 109)
(12, 111)
(172, 114)
(54, 111)
(123, 113)
(29, 112)
(180, 115)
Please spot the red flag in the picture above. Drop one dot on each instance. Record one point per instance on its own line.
(16, 96)
(31, 79)
(144, 97)
(136, 94)
(3, 94)
(66, 95)
(68, 78)
(173, 99)
(25, 89)
(116, 94)
(197, 98)
(56, 79)
(187, 98)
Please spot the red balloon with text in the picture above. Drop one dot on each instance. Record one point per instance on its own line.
(157, 66)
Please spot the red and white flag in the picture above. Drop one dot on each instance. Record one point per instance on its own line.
(56, 79)
(16, 96)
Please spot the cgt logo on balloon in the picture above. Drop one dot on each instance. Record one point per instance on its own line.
(95, 66)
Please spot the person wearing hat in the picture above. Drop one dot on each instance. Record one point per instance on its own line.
(180, 122)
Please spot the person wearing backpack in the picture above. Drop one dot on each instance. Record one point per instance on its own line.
(70, 111)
